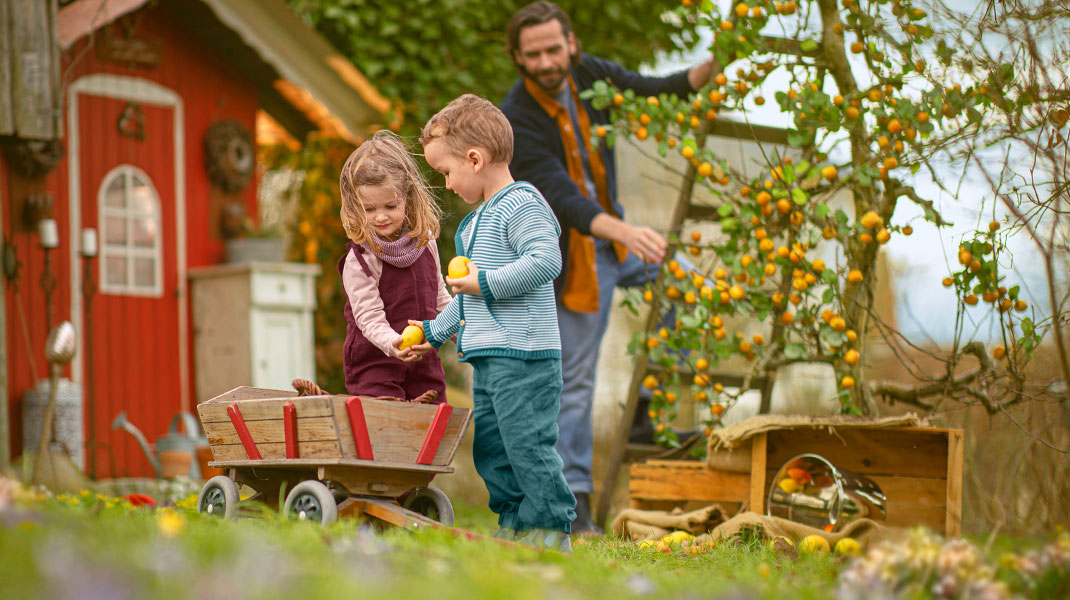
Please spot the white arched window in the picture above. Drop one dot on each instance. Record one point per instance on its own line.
(129, 220)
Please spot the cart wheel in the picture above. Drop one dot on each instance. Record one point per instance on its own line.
(219, 497)
(431, 503)
(310, 500)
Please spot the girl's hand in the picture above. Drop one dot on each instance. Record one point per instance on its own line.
(412, 353)
(469, 284)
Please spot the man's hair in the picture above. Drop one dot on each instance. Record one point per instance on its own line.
(384, 160)
(470, 121)
(534, 14)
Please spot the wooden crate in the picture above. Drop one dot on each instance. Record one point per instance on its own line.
(918, 468)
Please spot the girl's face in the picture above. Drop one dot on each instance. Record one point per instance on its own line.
(385, 210)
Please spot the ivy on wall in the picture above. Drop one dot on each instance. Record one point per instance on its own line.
(427, 52)
(424, 53)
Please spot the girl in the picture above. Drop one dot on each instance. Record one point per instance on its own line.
(390, 272)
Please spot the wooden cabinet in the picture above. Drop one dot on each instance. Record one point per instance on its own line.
(252, 326)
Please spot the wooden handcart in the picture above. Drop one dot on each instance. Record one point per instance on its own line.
(331, 456)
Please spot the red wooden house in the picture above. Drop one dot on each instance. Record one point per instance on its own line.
(140, 85)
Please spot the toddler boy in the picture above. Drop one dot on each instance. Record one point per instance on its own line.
(504, 317)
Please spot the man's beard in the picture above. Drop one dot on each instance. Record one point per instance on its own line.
(549, 80)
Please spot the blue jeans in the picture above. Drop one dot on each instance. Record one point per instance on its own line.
(581, 338)
(515, 412)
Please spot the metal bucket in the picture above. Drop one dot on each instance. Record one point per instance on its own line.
(812, 491)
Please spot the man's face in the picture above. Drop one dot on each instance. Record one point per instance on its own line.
(545, 53)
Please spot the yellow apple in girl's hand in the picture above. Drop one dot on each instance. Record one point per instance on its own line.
(411, 336)
(458, 267)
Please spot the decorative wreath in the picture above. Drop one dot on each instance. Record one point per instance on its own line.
(229, 155)
(33, 158)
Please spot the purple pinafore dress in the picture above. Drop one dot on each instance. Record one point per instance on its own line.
(408, 293)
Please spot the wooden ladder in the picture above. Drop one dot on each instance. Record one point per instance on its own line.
(686, 210)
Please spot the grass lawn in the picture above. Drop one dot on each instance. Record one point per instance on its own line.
(89, 546)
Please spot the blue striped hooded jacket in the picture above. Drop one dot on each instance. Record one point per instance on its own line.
(513, 239)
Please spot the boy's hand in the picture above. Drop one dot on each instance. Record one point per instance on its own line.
(469, 284)
(412, 353)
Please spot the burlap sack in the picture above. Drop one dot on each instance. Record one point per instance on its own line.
(636, 524)
(709, 525)
(735, 436)
(862, 530)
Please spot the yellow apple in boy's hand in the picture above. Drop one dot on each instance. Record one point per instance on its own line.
(458, 267)
(410, 336)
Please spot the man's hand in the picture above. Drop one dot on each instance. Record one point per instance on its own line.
(412, 353)
(643, 242)
(469, 284)
(699, 74)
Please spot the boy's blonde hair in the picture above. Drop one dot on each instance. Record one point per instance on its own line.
(470, 121)
(384, 160)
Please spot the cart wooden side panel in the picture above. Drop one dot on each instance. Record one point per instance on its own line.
(397, 431)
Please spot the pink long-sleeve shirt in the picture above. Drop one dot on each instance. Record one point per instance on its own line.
(367, 305)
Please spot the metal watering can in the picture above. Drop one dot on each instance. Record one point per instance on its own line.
(176, 452)
(810, 490)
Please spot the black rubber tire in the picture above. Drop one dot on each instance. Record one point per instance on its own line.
(219, 497)
(432, 503)
(310, 500)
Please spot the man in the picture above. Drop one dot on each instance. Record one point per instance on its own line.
(551, 128)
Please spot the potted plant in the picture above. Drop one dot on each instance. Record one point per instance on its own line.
(256, 243)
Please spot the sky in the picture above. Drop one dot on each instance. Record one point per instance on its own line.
(925, 309)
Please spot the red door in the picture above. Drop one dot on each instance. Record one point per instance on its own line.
(131, 352)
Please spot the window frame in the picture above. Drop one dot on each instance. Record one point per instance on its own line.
(128, 250)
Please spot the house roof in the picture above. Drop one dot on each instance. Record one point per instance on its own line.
(304, 84)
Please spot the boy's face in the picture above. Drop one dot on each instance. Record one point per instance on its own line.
(460, 171)
(385, 210)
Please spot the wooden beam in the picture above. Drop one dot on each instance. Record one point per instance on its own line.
(5, 429)
(686, 480)
(289, 418)
(790, 46)
(749, 131)
(359, 427)
(7, 33)
(34, 66)
(243, 432)
(434, 434)
(955, 461)
(757, 474)
(305, 463)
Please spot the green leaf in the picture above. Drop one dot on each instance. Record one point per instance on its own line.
(788, 173)
(725, 210)
(808, 45)
(794, 351)
(832, 337)
(797, 139)
(799, 196)
(822, 210)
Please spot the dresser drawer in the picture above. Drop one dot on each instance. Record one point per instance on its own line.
(282, 289)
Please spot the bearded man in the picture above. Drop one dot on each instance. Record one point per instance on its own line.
(552, 129)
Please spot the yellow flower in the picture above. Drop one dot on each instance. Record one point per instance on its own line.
(84, 493)
(169, 523)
